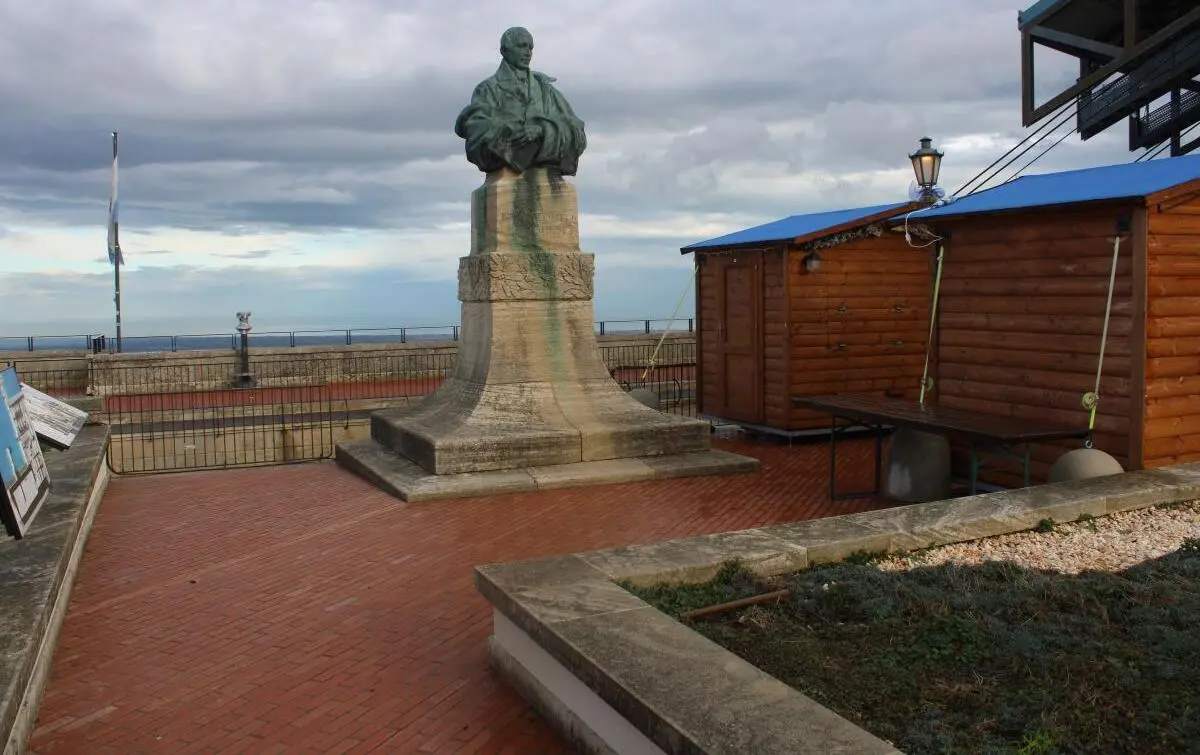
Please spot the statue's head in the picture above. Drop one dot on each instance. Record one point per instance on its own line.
(516, 47)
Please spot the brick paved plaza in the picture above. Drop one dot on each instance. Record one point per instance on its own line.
(300, 610)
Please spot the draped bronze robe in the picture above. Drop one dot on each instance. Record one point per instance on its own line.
(502, 106)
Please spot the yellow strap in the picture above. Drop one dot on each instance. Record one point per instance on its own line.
(1091, 400)
(678, 304)
(937, 285)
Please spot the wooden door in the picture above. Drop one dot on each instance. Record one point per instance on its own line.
(738, 391)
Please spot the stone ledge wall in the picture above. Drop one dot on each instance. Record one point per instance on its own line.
(612, 673)
(37, 573)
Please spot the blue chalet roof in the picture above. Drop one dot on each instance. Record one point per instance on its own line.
(1109, 182)
(795, 226)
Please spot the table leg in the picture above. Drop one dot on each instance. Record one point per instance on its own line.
(974, 464)
(1026, 459)
(833, 433)
(878, 458)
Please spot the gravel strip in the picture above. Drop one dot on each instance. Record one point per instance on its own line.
(1108, 543)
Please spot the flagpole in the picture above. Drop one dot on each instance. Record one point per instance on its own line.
(114, 243)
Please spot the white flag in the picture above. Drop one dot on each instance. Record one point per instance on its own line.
(114, 245)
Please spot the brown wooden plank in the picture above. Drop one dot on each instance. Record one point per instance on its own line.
(1172, 387)
(846, 306)
(1172, 367)
(1171, 347)
(856, 289)
(1078, 383)
(856, 320)
(1172, 327)
(807, 335)
(1174, 306)
(1037, 227)
(1035, 305)
(1090, 325)
(1075, 364)
(1070, 344)
(1163, 244)
(1037, 268)
(1168, 427)
(1175, 223)
(1174, 265)
(1185, 405)
(1067, 287)
(1064, 249)
(1167, 461)
(1163, 286)
(839, 384)
(1157, 448)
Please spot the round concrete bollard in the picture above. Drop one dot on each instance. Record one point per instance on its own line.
(918, 467)
(1082, 464)
(646, 397)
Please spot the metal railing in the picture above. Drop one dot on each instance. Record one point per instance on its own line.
(299, 338)
(188, 414)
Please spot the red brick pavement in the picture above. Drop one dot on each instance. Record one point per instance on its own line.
(300, 610)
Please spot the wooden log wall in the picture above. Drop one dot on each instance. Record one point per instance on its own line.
(1021, 312)
(858, 324)
(1171, 433)
(708, 304)
(776, 368)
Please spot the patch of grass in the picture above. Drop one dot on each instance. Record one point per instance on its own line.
(994, 658)
(732, 582)
(1045, 525)
(1087, 519)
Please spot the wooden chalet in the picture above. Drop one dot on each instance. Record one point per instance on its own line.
(1023, 298)
(1020, 313)
(823, 303)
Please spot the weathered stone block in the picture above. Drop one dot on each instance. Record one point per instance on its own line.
(534, 211)
(525, 277)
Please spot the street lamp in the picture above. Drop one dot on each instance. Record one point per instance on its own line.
(926, 163)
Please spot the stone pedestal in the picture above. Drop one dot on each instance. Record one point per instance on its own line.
(530, 393)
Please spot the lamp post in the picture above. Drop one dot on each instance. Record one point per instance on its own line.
(244, 378)
(927, 162)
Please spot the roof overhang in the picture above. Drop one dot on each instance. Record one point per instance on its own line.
(761, 245)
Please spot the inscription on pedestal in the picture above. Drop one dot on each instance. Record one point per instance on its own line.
(524, 277)
(553, 227)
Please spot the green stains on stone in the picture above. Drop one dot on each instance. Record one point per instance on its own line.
(526, 211)
(479, 202)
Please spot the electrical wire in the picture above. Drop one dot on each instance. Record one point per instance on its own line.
(1153, 152)
(1041, 154)
(1045, 124)
(1065, 117)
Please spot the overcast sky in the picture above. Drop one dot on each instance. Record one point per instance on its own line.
(298, 158)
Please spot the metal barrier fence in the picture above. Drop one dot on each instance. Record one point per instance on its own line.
(190, 415)
(300, 338)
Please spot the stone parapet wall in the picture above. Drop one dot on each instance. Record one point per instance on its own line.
(167, 372)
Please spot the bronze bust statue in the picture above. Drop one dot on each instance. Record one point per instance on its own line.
(517, 119)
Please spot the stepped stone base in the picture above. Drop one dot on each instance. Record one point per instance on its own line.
(531, 403)
(408, 481)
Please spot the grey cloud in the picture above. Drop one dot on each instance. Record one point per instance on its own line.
(237, 117)
(250, 254)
